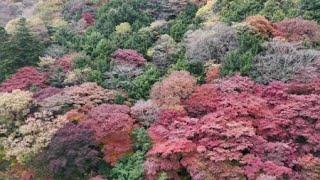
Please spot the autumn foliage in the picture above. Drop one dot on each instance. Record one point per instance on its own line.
(128, 56)
(261, 26)
(172, 90)
(298, 29)
(72, 153)
(89, 18)
(24, 79)
(45, 93)
(236, 128)
(64, 63)
(112, 126)
(160, 89)
(212, 73)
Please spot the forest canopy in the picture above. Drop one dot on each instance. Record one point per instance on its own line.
(159, 90)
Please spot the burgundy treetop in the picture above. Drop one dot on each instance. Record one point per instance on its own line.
(24, 79)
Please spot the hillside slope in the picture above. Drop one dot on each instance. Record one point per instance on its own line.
(160, 89)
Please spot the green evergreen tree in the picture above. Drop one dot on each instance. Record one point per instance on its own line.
(3, 41)
(3, 34)
(3, 53)
(24, 48)
(20, 50)
(311, 9)
(118, 11)
(241, 60)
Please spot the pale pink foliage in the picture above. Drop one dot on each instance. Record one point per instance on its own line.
(145, 112)
(45, 93)
(172, 90)
(89, 94)
(86, 95)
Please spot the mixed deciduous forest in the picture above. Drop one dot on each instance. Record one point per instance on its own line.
(160, 89)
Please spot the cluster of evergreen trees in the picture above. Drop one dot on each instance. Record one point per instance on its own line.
(18, 50)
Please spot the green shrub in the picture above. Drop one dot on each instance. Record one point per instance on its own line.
(237, 10)
(81, 61)
(131, 167)
(250, 42)
(101, 64)
(97, 46)
(310, 9)
(4, 163)
(3, 55)
(237, 62)
(142, 141)
(119, 99)
(96, 76)
(118, 11)
(99, 49)
(4, 38)
(97, 52)
(197, 69)
(180, 65)
(90, 42)
(66, 37)
(140, 41)
(241, 60)
(277, 10)
(140, 87)
(179, 26)
(105, 47)
(178, 29)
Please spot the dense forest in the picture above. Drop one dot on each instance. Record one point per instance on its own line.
(160, 89)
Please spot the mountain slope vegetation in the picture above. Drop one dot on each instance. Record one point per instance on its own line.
(159, 89)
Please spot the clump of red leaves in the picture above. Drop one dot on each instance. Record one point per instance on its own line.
(65, 63)
(236, 128)
(222, 96)
(128, 57)
(112, 126)
(298, 29)
(24, 79)
(88, 18)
